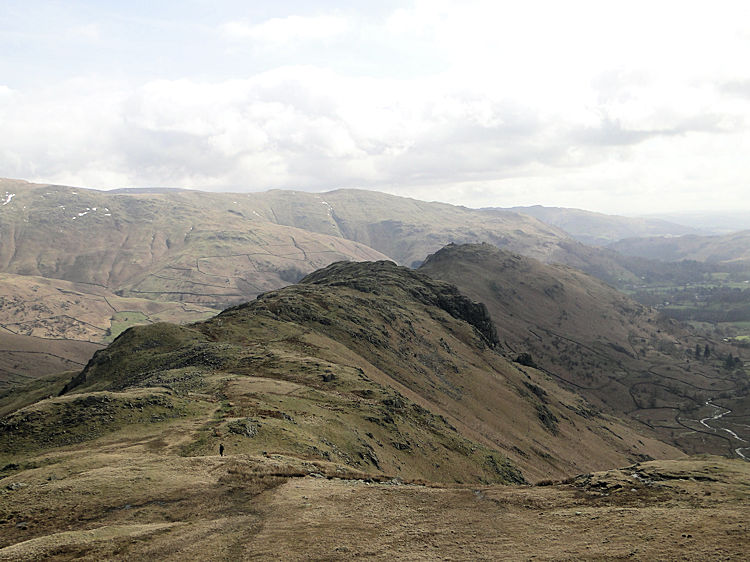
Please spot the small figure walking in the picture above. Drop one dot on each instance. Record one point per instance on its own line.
(221, 449)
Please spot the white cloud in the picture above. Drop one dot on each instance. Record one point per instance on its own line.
(579, 104)
(288, 29)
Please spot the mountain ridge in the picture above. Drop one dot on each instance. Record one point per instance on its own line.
(622, 356)
(398, 355)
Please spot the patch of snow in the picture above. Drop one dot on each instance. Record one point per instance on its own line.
(8, 198)
(256, 214)
(107, 214)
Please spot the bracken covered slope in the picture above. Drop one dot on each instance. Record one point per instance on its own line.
(370, 365)
(617, 353)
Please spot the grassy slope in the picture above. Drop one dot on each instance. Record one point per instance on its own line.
(130, 498)
(214, 248)
(372, 366)
(407, 230)
(610, 349)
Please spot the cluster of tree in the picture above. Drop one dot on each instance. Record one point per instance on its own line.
(731, 363)
(704, 352)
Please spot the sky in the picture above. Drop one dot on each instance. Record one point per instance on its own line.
(619, 107)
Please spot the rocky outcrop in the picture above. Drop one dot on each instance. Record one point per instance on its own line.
(384, 277)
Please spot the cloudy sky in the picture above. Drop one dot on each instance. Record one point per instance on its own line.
(621, 107)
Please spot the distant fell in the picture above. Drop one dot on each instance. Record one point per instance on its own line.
(711, 222)
(219, 249)
(733, 248)
(599, 229)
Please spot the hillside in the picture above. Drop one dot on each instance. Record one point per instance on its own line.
(368, 365)
(369, 411)
(405, 229)
(156, 245)
(599, 229)
(57, 309)
(217, 249)
(50, 325)
(728, 249)
(615, 352)
(710, 222)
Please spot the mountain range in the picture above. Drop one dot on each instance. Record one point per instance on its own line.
(328, 343)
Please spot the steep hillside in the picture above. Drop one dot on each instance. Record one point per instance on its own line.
(369, 365)
(730, 249)
(221, 248)
(617, 353)
(598, 229)
(155, 245)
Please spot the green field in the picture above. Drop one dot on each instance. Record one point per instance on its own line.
(121, 321)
